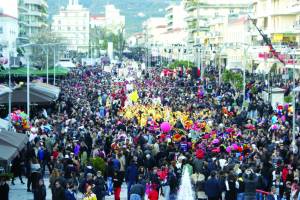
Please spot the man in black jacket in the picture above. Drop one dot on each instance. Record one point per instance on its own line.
(212, 187)
(100, 186)
(250, 180)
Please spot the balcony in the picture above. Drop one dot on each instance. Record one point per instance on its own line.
(191, 5)
(297, 25)
(23, 23)
(190, 18)
(22, 9)
(42, 3)
(35, 24)
(34, 13)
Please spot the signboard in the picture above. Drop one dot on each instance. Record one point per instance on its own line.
(278, 37)
(110, 50)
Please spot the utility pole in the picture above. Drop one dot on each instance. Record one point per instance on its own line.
(294, 103)
(47, 78)
(28, 90)
(9, 97)
(54, 67)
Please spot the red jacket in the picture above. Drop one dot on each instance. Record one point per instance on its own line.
(153, 195)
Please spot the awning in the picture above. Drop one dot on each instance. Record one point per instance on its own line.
(39, 93)
(4, 124)
(7, 152)
(4, 90)
(16, 140)
(291, 66)
(22, 72)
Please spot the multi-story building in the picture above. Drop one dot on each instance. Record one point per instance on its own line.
(114, 21)
(37, 16)
(72, 24)
(200, 12)
(97, 21)
(175, 15)
(33, 18)
(279, 19)
(8, 29)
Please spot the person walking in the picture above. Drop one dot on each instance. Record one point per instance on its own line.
(100, 186)
(131, 176)
(89, 195)
(250, 180)
(16, 169)
(58, 193)
(69, 193)
(35, 173)
(117, 180)
(212, 187)
(4, 189)
(40, 192)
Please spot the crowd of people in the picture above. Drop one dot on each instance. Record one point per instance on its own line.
(97, 137)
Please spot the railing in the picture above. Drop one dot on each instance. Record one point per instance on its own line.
(297, 25)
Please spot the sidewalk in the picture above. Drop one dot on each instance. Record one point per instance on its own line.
(19, 191)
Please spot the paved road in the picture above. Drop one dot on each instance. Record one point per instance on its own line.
(19, 191)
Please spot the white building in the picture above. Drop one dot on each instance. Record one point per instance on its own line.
(72, 24)
(114, 21)
(175, 15)
(9, 28)
(201, 12)
(97, 21)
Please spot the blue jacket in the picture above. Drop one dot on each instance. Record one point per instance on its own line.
(41, 154)
(212, 188)
(131, 173)
(69, 195)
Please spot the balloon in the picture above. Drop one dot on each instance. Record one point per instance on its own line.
(228, 149)
(165, 127)
(215, 141)
(235, 146)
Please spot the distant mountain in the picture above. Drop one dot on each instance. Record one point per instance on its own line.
(135, 11)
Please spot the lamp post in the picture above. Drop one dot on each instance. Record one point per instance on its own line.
(28, 79)
(294, 103)
(47, 65)
(9, 98)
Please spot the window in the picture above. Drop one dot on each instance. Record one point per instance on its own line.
(59, 22)
(69, 28)
(1, 29)
(83, 28)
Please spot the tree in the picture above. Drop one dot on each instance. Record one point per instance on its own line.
(102, 34)
(234, 78)
(181, 63)
(39, 50)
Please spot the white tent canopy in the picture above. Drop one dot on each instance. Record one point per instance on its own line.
(291, 66)
(4, 124)
(4, 89)
(264, 68)
(65, 64)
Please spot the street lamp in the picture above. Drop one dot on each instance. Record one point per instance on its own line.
(295, 90)
(28, 78)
